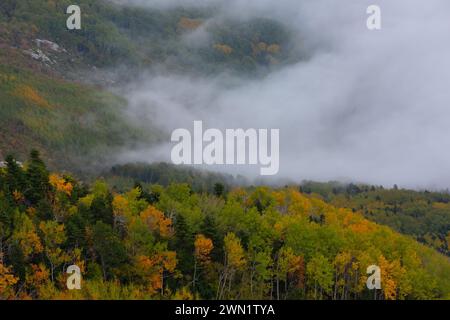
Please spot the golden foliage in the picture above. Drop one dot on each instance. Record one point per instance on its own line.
(291, 264)
(189, 24)
(203, 247)
(152, 268)
(30, 95)
(60, 184)
(18, 196)
(223, 48)
(156, 221)
(262, 47)
(28, 240)
(121, 208)
(7, 281)
(273, 49)
(391, 273)
(298, 203)
(38, 276)
(53, 233)
(234, 251)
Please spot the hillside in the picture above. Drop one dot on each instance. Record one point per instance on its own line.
(54, 82)
(159, 231)
(172, 243)
(75, 126)
(423, 215)
(114, 35)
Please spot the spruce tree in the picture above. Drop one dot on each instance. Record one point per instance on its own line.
(37, 175)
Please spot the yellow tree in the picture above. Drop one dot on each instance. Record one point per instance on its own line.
(289, 265)
(391, 274)
(234, 261)
(223, 48)
(53, 236)
(121, 211)
(203, 247)
(26, 236)
(63, 190)
(37, 278)
(152, 269)
(157, 222)
(152, 259)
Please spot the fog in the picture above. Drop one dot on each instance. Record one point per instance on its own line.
(366, 106)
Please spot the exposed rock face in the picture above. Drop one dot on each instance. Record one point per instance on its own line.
(39, 55)
(46, 51)
(49, 45)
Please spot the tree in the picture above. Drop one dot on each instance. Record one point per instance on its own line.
(391, 274)
(53, 236)
(219, 189)
(101, 209)
(15, 179)
(203, 247)
(234, 261)
(184, 244)
(61, 196)
(25, 236)
(209, 230)
(320, 275)
(289, 266)
(157, 222)
(152, 269)
(109, 248)
(7, 282)
(38, 184)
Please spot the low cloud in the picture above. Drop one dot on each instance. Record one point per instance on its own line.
(366, 106)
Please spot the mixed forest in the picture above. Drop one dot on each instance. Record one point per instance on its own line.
(169, 242)
(140, 231)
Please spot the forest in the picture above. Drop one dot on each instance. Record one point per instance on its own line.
(140, 230)
(169, 242)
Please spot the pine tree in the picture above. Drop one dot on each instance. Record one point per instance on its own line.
(184, 245)
(208, 228)
(38, 184)
(218, 189)
(15, 176)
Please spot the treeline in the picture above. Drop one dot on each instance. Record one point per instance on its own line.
(172, 243)
(424, 215)
(126, 176)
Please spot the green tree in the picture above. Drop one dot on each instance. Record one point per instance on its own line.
(319, 272)
(38, 184)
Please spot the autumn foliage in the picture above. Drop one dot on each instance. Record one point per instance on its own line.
(156, 242)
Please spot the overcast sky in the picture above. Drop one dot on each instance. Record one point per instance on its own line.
(368, 106)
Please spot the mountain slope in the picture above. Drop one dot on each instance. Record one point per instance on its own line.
(68, 122)
(254, 243)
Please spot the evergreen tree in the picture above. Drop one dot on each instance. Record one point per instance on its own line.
(219, 189)
(184, 245)
(209, 230)
(101, 209)
(15, 179)
(37, 175)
